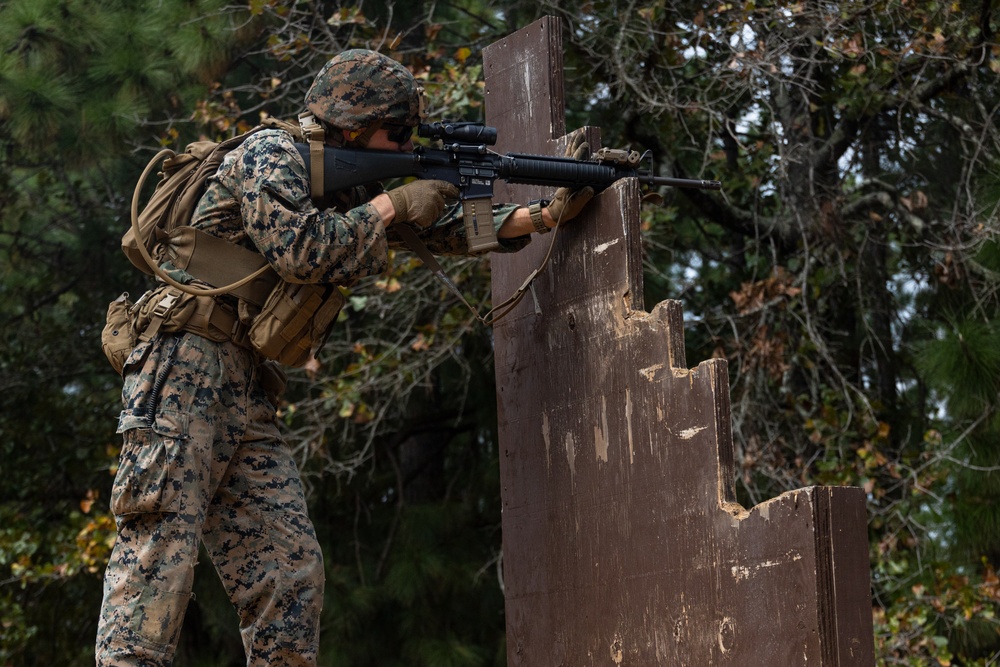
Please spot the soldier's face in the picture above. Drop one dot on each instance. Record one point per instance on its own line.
(381, 141)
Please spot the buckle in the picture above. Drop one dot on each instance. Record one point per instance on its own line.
(164, 305)
(240, 333)
(311, 128)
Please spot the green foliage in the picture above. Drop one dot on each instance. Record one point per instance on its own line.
(435, 604)
(17, 634)
(964, 362)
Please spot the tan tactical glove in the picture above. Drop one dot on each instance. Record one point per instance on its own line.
(578, 148)
(567, 204)
(421, 202)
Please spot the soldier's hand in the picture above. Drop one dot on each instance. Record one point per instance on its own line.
(421, 202)
(567, 204)
(578, 148)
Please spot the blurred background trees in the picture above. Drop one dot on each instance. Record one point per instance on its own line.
(848, 272)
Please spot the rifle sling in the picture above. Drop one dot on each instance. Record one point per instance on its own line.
(413, 241)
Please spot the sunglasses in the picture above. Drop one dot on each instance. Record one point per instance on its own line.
(398, 133)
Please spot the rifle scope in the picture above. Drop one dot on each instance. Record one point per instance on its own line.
(465, 133)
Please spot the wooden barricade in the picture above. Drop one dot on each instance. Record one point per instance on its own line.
(623, 541)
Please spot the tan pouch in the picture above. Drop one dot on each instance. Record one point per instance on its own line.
(295, 321)
(118, 338)
(165, 309)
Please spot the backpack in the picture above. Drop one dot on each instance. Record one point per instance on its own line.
(288, 321)
(162, 230)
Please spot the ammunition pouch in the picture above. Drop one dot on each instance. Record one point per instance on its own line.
(293, 324)
(166, 309)
(295, 321)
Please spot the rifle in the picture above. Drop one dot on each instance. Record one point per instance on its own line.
(466, 160)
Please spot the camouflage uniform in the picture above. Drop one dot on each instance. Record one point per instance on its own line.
(260, 199)
(203, 459)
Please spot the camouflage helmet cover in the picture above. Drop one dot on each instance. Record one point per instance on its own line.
(359, 87)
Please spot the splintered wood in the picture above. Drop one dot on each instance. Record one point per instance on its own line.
(623, 540)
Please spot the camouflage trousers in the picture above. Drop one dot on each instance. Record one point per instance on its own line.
(203, 462)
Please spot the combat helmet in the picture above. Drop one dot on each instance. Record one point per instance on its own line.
(361, 89)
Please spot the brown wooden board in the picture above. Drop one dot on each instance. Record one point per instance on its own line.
(623, 543)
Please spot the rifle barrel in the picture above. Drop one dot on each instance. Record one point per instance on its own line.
(555, 171)
(681, 182)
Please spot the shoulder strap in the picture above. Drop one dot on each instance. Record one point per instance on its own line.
(314, 133)
(154, 266)
(216, 261)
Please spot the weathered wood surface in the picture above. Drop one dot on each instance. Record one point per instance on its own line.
(623, 543)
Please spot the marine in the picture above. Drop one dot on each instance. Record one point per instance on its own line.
(203, 460)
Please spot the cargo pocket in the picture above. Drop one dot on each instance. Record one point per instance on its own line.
(158, 616)
(148, 478)
(136, 357)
